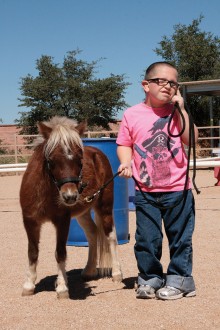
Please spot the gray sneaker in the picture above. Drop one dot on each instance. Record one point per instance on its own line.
(171, 293)
(145, 292)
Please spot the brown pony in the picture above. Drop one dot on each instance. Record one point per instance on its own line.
(60, 178)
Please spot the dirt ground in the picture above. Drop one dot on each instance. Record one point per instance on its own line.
(102, 304)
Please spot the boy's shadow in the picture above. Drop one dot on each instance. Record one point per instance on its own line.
(78, 288)
(130, 283)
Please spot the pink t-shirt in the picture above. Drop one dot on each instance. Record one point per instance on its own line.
(159, 161)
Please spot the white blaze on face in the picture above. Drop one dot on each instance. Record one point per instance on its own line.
(68, 153)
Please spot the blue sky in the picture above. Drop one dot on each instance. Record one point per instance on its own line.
(124, 32)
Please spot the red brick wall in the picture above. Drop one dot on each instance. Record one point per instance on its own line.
(7, 134)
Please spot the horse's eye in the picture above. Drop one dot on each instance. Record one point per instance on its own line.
(50, 164)
(80, 163)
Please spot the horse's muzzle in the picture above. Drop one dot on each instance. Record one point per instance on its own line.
(69, 197)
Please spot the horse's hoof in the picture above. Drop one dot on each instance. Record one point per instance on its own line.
(117, 278)
(63, 295)
(86, 276)
(26, 292)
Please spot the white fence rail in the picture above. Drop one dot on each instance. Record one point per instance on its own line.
(21, 151)
(21, 167)
(200, 163)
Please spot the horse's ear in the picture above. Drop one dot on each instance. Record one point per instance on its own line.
(44, 129)
(81, 127)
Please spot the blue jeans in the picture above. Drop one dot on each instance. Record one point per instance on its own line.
(179, 223)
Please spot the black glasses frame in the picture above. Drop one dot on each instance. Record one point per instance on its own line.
(164, 82)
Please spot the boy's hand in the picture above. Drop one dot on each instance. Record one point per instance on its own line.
(125, 170)
(179, 99)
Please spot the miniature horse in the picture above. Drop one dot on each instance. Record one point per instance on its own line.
(59, 178)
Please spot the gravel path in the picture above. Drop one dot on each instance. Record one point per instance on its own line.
(101, 304)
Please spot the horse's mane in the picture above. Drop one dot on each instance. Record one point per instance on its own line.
(63, 132)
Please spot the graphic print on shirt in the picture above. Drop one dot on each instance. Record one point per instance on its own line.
(154, 168)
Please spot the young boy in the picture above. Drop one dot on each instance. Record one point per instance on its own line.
(155, 156)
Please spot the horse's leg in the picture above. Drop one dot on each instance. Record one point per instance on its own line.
(108, 242)
(90, 229)
(62, 228)
(33, 234)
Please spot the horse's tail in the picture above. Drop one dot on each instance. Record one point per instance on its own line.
(108, 261)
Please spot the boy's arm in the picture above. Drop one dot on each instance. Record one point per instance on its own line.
(125, 156)
(185, 136)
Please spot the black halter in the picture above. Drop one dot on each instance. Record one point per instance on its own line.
(72, 179)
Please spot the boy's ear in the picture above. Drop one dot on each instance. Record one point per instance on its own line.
(145, 85)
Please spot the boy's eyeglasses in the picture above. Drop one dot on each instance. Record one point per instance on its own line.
(164, 82)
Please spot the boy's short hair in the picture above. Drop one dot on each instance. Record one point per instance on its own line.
(154, 65)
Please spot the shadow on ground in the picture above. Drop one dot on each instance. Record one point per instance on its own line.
(78, 288)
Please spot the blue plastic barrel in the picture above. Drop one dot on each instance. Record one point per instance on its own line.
(131, 194)
(76, 235)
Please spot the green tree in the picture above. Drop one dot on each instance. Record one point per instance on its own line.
(70, 90)
(196, 54)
